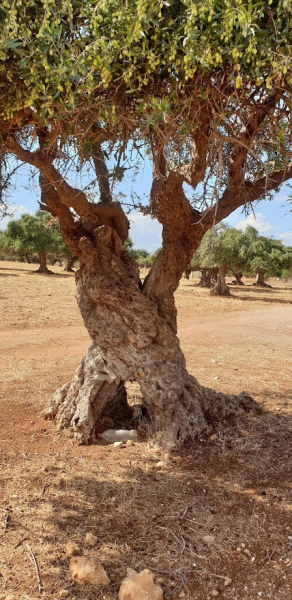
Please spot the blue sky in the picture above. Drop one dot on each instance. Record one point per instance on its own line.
(270, 218)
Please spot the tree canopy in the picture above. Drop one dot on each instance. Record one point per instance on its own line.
(32, 234)
(246, 252)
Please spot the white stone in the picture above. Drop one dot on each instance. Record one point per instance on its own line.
(88, 570)
(117, 444)
(90, 539)
(140, 586)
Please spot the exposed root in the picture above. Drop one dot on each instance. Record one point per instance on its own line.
(95, 397)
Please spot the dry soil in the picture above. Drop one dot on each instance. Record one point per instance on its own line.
(147, 510)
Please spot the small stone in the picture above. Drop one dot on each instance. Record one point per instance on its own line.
(214, 594)
(64, 593)
(160, 464)
(130, 443)
(140, 586)
(72, 549)
(88, 570)
(91, 540)
(117, 444)
(208, 540)
(213, 437)
(238, 440)
(227, 581)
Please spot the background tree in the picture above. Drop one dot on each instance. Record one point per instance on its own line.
(220, 253)
(32, 234)
(204, 90)
(264, 255)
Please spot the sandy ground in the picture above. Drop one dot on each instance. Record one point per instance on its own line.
(234, 485)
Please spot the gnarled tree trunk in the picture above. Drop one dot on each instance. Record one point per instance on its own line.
(260, 278)
(132, 341)
(43, 264)
(221, 289)
(207, 275)
(238, 278)
(132, 325)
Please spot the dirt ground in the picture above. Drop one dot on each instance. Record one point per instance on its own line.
(147, 510)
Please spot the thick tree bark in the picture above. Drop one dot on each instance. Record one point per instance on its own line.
(43, 264)
(132, 341)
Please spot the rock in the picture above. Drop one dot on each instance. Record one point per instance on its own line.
(117, 444)
(213, 437)
(72, 549)
(140, 586)
(131, 572)
(214, 594)
(91, 540)
(64, 593)
(130, 443)
(88, 570)
(227, 581)
(208, 540)
(160, 464)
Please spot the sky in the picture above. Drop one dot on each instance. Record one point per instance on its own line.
(271, 218)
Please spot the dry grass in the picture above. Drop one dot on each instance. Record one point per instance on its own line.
(235, 486)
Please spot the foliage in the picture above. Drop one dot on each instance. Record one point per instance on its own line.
(62, 54)
(31, 234)
(143, 258)
(265, 253)
(248, 251)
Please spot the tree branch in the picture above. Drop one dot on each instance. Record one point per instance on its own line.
(92, 215)
(267, 184)
(68, 195)
(102, 173)
(194, 172)
(236, 170)
(50, 202)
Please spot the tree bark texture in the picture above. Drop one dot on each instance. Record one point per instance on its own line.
(132, 341)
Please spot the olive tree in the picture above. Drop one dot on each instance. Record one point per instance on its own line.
(32, 235)
(203, 90)
(264, 255)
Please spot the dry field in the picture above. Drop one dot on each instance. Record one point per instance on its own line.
(147, 512)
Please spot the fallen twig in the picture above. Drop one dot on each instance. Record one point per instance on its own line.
(34, 561)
